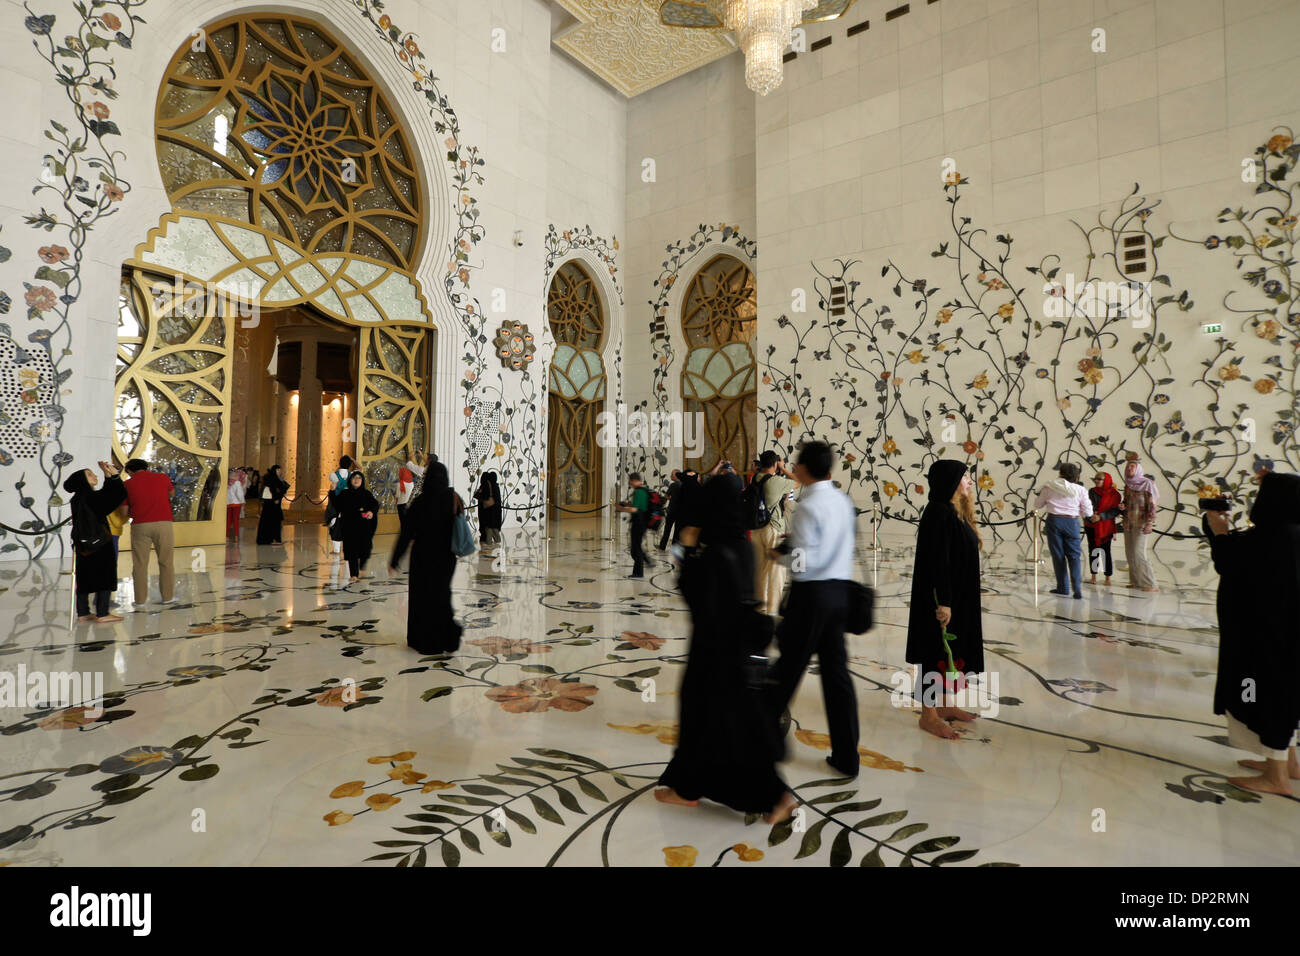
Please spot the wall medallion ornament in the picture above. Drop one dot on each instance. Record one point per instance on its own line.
(515, 346)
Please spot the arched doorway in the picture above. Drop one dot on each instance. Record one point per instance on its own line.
(720, 376)
(296, 226)
(577, 388)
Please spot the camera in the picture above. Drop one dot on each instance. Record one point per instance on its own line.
(1216, 504)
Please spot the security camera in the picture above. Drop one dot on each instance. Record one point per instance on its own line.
(519, 238)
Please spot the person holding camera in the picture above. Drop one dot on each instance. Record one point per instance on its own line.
(92, 539)
(639, 509)
(775, 485)
(1067, 504)
(1259, 646)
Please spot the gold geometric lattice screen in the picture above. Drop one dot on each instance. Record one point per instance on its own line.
(576, 385)
(173, 387)
(394, 398)
(720, 376)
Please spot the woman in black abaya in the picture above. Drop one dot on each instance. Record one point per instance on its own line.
(270, 524)
(359, 516)
(490, 514)
(945, 595)
(1259, 647)
(431, 626)
(727, 741)
(96, 556)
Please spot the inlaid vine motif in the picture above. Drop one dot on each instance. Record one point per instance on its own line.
(1011, 369)
(80, 186)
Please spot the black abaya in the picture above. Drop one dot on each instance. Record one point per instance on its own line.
(358, 531)
(1259, 605)
(727, 740)
(97, 571)
(947, 573)
(271, 522)
(431, 626)
(490, 517)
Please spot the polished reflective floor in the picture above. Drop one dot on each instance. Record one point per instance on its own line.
(274, 717)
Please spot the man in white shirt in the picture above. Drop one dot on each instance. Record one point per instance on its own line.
(1067, 504)
(819, 553)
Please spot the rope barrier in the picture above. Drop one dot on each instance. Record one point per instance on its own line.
(46, 530)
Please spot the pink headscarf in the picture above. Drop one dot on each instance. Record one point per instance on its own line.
(1139, 482)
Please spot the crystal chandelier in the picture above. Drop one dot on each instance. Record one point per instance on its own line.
(763, 28)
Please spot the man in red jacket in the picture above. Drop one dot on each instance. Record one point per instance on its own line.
(149, 496)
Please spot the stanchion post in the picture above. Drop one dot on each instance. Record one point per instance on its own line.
(72, 609)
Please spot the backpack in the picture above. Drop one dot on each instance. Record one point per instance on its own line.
(89, 533)
(753, 505)
(655, 511)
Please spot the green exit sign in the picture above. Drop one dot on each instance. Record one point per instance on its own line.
(1212, 329)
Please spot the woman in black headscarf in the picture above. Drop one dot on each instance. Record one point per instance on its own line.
(359, 515)
(1259, 647)
(93, 540)
(270, 524)
(945, 597)
(490, 512)
(431, 626)
(687, 506)
(727, 740)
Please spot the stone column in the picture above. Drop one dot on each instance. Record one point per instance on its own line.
(309, 425)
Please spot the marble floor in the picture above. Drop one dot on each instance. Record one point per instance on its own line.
(272, 717)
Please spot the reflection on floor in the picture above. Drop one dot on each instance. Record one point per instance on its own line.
(270, 717)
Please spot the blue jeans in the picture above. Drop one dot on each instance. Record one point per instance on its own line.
(1063, 542)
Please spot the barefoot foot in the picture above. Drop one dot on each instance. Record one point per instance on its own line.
(669, 795)
(953, 713)
(932, 723)
(784, 809)
(1262, 784)
(1293, 770)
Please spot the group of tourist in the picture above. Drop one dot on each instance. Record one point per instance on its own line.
(99, 514)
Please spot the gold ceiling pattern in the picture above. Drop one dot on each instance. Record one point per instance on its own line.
(625, 43)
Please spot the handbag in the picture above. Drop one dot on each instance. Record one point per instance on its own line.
(862, 601)
(462, 539)
(266, 493)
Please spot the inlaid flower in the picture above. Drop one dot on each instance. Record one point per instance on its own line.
(665, 731)
(508, 646)
(41, 298)
(916, 356)
(795, 420)
(1278, 143)
(1265, 386)
(747, 853)
(647, 642)
(986, 481)
(353, 788)
(70, 718)
(969, 447)
(890, 489)
(52, 254)
(434, 785)
(1021, 359)
(404, 773)
(197, 670)
(1025, 442)
(1094, 376)
(1208, 491)
(1272, 287)
(309, 139)
(1269, 329)
(1160, 398)
(142, 760)
(813, 739)
(1041, 373)
(1263, 242)
(1174, 426)
(114, 193)
(100, 110)
(1288, 222)
(1135, 421)
(339, 696)
(980, 381)
(336, 818)
(943, 316)
(111, 21)
(680, 855)
(1212, 242)
(539, 694)
(890, 447)
(380, 802)
(1007, 310)
(1229, 372)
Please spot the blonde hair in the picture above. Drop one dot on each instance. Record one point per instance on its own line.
(964, 505)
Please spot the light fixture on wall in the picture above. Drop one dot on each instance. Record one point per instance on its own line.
(762, 27)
